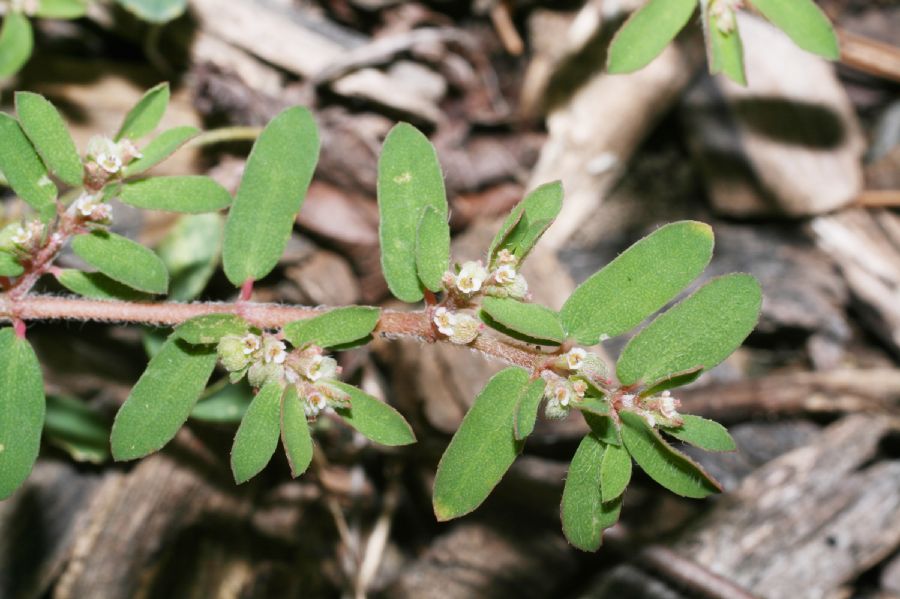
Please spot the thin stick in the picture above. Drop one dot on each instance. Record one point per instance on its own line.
(869, 56)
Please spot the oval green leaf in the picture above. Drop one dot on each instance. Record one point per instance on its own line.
(599, 421)
(9, 266)
(638, 282)
(22, 407)
(155, 11)
(295, 435)
(162, 399)
(527, 406)
(804, 22)
(257, 436)
(146, 114)
(527, 222)
(123, 260)
(668, 467)
(97, 285)
(276, 177)
(375, 419)
(615, 472)
(190, 193)
(483, 448)
(16, 43)
(532, 320)
(333, 328)
(702, 433)
(46, 129)
(584, 514)
(162, 146)
(702, 330)
(725, 50)
(24, 169)
(61, 9)
(432, 248)
(209, 328)
(647, 32)
(191, 253)
(409, 180)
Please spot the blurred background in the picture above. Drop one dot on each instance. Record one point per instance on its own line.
(799, 174)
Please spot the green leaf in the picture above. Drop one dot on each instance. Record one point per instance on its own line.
(61, 9)
(584, 515)
(162, 146)
(432, 248)
(155, 11)
(146, 114)
(16, 43)
(646, 33)
(483, 448)
(257, 437)
(24, 169)
(671, 469)
(225, 403)
(9, 266)
(209, 328)
(191, 253)
(22, 407)
(77, 429)
(374, 419)
(46, 129)
(162, 399)
(677, 379)
(531, 320)
(726, 51)
(526, 222)
(702, 433)
(336, 327)
(601, 425)
(702, 330)
(804, 22)
(295, 433)
(527, 405)
(272, 190)
(123, 260)
(97, 285)
(191, 193)
(638, 282)
(409, 180)
(615, 472)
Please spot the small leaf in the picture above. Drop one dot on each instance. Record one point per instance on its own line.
(336, 327)
(527, 405)
(9, 266)
(432, 248)
(97, 285)
(601, 425)
(257, 437)
(225, 403)
(209, 328)
(375, 419)
(191, 193)
(638, 283)
(702, 433)
(155, 11)
(77, 429)
(647, 32)
(677, 379)
(22, 407)
(276, 177)
(162, 399)
(594, 405)
(532, 320)
(24, 169)
(483, 448)
(804, 22)
(61, 9)
(615, 472)
(162, 146)
(584, 515)
(726, 51)
(146, 114)
(46, 129)
(123, 260)
(191, 253)
(671, 469)
(295, 433)
(702, 330)
(16, 43)
(527, 222)
(409, 180)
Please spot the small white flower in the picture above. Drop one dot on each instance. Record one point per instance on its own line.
(628, 402)
(580, 388)
(445, 321)
(668, 405)
(466, 330)
(505, 257)
(315, 403)
(312, 367)
(575, 358)
(562, 394)
(251, 343)
(274, 351)
(471, 277)
(23, 235)
(505, 274)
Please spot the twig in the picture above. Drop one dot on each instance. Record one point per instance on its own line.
(701, 581)
(869, 56)
(879, 198)
(506, 29)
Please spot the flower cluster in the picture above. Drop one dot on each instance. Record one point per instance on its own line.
(562, 392)
(264, 359)
(22, 238)
(724, 13)
(657, 410)
(473, 278)
(459, 327)
(91, 208)
(106, 159)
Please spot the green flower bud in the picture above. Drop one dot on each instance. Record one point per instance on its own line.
(231, 353)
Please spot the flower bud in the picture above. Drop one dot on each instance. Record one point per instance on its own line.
(262, 372)
(231, 353)
(466, 330)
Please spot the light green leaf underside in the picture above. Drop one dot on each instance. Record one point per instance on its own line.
(532, 320)
(74, 427)
(669, 468)
(163, 145)
(22, 408)
(274, 185)
(190, 193)
(224, 402)
(615, 472)
(162, 399)
(257, 436)
(528, 220)
(584, 515)
(804, 22)
(336, 327)
(638, 282)
(602, 426)
(24, 169)
(97, 285)
(409, 180)
(702, 330)
(155, 11)
(61, 9)
(16, 43)
(46, 129)
(209, 328)
(375, 419)
(527, 406)
(432, 248)
(9, 266)
(483, 448)
(146, 114)
(702, 433)
(647, 32)
(123, 260)
(191, 253)
(295, 433)
(726, 51)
